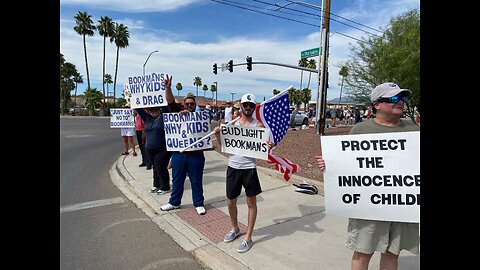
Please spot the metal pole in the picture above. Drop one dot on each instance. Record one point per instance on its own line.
(216, 94)
(233, 93)
(147, 61)
(319, 117)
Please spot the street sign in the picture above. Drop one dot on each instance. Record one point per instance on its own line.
(310, 53)
(224, 66)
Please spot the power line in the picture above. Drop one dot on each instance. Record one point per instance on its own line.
(242, 6)
(264, 13)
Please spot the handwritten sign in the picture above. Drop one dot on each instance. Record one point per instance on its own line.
(245, 141)
(121, 118)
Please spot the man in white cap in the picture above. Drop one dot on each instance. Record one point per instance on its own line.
(242, 171)
(387, 237)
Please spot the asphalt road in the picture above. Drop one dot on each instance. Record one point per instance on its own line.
(99, 227)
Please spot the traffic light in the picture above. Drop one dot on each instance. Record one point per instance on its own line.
(230, 65)
(215, 68)
(249, 63)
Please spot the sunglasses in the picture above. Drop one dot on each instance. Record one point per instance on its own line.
(189, 103)
(249, 104)
(154, 109)
(394, 99)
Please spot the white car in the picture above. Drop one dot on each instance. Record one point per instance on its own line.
(300, 117)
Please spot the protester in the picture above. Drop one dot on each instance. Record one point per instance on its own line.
(387, 237)
(156, 148)
(139, 126)
(127, 134)
(208, 108)
(187, 162)
(227, 115)
(235, 110)
(242, 171)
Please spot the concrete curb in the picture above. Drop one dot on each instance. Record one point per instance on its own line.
(182, 233)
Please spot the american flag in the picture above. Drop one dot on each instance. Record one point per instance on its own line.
(275, 115)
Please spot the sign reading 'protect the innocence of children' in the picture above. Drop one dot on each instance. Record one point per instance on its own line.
(121, 118)
(146, 91)
(373, 176)
(182, 130)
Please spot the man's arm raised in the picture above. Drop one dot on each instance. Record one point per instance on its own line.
(168, 89)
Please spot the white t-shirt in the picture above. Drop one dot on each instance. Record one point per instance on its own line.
(228, 114)
(241, 162)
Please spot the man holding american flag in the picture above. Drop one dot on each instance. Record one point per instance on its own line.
(242, 171)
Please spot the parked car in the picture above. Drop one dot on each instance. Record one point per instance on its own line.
(299, 117)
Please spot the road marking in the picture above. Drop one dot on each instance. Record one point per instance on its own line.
(122, 222)
(79, 136)
(86, 205)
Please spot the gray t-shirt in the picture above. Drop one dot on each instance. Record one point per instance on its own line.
(370, 126)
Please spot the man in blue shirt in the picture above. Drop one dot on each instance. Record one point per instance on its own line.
(183, 163)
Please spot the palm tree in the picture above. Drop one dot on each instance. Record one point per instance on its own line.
(205, 89)
(105, 29)
(179, 87)
(92, 99)
(67, 84)
(306, 96)
(197, 82)
(120, 37)
(291, 96)
(344, 73)
(107, 79)
(302, 63)
(77, 79)
(313, 65)
(84, 27)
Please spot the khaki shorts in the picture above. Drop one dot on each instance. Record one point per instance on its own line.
(368, 236)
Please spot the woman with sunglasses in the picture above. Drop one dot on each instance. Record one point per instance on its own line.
(156, 148)
(387, 237)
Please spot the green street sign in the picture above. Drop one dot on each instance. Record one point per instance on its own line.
(310, 53)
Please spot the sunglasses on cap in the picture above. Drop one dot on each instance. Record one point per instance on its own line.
(248, 104)
(394, 99)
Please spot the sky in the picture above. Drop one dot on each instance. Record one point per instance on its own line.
(192, 35)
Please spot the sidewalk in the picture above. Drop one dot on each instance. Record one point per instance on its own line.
(291, 230)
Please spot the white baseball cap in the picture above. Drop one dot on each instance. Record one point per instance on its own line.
(386, 90)
(248, 98)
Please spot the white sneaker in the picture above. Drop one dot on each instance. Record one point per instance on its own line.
(168, 207)
(200, 210)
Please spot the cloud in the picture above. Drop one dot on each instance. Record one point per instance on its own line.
(132, 6)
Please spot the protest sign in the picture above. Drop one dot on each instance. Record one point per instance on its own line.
(182, 130)
(373, 176)
(146, 91)
(121, 118)
(245, 141)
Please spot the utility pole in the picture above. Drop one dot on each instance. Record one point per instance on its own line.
(322, 61)
(216, 94)
(323, 74)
